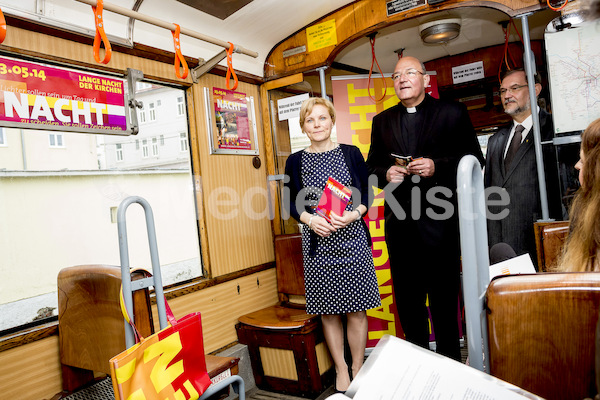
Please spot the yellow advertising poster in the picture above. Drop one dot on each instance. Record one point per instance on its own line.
(321, 35)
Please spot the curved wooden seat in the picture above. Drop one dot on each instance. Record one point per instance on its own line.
(279, 317)
(90, 320)
(542, 332)
(216, 365)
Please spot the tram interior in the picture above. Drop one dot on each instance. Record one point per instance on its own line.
(216, 201)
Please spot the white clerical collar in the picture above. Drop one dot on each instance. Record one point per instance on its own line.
(411, 110)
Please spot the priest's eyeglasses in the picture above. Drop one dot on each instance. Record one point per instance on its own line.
(511, 89)
(409, 73)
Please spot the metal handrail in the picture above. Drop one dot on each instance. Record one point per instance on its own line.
(475, 258)
(155, 280)
(235, 380)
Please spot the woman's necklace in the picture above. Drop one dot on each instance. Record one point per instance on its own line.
(331, 145)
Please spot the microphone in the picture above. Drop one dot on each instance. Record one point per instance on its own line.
(501, 252)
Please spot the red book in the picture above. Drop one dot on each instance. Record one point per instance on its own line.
(334, 199)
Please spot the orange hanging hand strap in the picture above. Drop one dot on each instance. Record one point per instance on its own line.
(374, 61)
(179, 60)
(230, 70)
(100, 34)
(2, 26)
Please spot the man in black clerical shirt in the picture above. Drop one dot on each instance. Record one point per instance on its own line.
(421, 224)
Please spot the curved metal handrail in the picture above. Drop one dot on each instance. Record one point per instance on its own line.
(475, 257)
(125, 267)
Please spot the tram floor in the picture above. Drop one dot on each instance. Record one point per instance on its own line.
(102, 390)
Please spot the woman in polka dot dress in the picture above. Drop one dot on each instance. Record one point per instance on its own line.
(338, 264)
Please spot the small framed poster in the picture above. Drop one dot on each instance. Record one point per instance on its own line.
(231, 122)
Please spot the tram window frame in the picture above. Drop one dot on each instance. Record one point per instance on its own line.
(175, 220)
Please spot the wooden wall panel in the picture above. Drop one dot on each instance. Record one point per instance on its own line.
(359, 19)
(221, 305)
(246, 239)
(31, 372)
(492, 58)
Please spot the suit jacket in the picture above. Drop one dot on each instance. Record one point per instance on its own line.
(359, 178)
(521, 184)
(446, 135)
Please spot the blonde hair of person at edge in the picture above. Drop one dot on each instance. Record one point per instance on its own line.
(356, 274)
(582, 248)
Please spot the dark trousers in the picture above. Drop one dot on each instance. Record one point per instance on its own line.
(420, 269)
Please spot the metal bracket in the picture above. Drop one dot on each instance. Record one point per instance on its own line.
(133, 76)
(206, 66)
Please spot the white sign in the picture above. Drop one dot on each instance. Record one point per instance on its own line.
(468, 72)
(290, 106)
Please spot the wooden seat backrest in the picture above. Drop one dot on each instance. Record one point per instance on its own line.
(550, 238)
(542, 330)
(289, 264)
(89, 315)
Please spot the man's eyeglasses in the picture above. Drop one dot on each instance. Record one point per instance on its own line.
(409, 73)
(511, 89)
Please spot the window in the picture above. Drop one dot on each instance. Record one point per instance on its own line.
(142, 115)
(59, 191)
(162, 140)
(151, 112)
(141, 86)
(154, 147)
(158, 103)
(180, 106)
(2, 137)
(183, 142)
(145, 148)
(56, 140)
(137, 144)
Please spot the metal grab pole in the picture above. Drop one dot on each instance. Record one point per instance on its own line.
(537, 137)
(322, 82)
(168, 25)
(475, 258)
(156, 279)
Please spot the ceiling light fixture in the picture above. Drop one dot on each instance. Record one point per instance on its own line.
(440, 31)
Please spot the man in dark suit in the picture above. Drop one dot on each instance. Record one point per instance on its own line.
(421, 226)
(511, 168)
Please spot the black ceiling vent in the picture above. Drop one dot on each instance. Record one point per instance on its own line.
(220, 9)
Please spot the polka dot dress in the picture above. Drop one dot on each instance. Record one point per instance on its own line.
(340, 278)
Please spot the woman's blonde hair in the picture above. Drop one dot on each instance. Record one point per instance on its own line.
(310, 103)
(582, 247)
